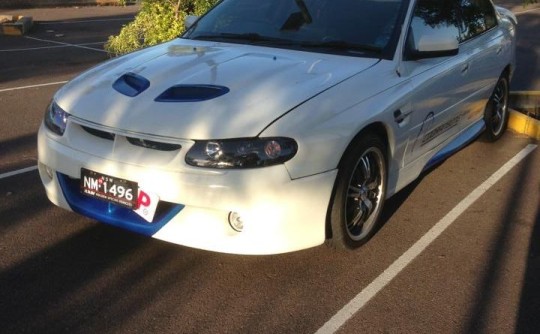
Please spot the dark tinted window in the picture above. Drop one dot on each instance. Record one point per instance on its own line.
(370, 25)
(478, 16)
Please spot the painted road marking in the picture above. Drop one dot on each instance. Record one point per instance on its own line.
(33, 86)
(62, 43)
(17, 172)
(49, 47)
(349, 310)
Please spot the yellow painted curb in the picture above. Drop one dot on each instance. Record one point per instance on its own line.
(524, 124)
(525, 113)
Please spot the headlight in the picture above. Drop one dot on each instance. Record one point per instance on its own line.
(241, 153)
(56, 118)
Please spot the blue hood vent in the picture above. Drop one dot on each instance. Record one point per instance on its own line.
(191, 93)
(131, 84)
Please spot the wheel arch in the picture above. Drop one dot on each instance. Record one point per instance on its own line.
(377, 128)
(380, 130)
(507, 71)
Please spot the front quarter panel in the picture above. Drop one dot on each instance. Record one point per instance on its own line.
(325, 125)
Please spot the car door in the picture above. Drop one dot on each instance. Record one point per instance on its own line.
(439, 83)
(484, 44)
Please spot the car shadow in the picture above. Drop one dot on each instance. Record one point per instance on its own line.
(493, 270)
(528, 320)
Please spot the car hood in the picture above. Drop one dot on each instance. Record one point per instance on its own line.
(261, 84)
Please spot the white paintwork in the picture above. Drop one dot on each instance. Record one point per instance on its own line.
(279, 214)
(253, 102)
(320, 100)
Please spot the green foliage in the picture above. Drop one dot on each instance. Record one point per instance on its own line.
(158, 21)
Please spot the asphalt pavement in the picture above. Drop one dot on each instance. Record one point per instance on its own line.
(60, 272)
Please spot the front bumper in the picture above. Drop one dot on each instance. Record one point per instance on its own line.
(279, 214)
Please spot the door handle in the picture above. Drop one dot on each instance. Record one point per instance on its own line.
(465, 68)
(499, 50)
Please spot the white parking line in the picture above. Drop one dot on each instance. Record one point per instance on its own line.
(49, 47)
(17, 172)
(62, 43)
(33, 86)
(349, 310)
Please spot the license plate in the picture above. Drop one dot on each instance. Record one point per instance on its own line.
(109, 188)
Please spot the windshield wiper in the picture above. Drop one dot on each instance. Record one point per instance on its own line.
(332, 45)
(342, 46)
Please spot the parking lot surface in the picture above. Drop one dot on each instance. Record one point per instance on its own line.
(458, 252)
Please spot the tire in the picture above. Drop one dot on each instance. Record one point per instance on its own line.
(496, 113)
(359, 193)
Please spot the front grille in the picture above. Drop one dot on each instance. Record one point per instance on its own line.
(154, 145)
(99, 133)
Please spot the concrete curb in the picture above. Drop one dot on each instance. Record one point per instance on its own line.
(15, 25)
(525, 113)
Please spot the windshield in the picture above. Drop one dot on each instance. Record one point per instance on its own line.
(364, 27)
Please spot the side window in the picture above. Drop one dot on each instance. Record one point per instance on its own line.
(478, 17)
(434, 14)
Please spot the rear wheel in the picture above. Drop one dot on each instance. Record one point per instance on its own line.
(359, 193)
(496, 113)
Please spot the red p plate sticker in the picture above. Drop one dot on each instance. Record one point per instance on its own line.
(146, 205)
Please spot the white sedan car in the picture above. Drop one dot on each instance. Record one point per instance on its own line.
(273, 126)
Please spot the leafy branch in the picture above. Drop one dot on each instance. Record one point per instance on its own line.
(158, 21)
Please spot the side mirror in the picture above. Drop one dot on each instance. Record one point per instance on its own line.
(190, 20)
(433, 42)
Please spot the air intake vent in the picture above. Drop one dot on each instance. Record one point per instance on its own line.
(131, 84)
(99, 133)
(192, 93)
(154, 145)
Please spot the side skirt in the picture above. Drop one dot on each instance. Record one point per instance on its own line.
(462, 140)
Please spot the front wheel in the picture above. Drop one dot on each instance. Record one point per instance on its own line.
(496, 113)
(359, 193)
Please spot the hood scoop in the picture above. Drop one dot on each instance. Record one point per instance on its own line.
(191, 93)
(131, 84)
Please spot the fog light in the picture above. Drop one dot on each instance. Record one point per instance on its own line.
(236, 221)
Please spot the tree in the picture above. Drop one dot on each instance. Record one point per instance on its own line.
(158, 21)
